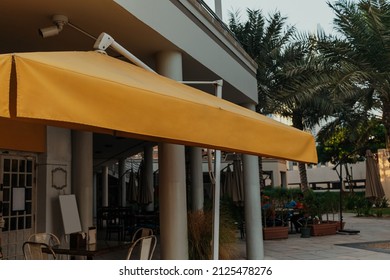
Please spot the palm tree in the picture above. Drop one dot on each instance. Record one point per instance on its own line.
(290, 99)
(285, 63)
(359, 58)
(263, 40)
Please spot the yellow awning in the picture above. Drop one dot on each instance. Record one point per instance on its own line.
(94, 91)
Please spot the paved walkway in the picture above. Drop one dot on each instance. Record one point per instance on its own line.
(330, 247)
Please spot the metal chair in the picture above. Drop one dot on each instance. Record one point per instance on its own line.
(45, 237)
(49, 239)
(33, 251)
(143, 248)
(141, 232)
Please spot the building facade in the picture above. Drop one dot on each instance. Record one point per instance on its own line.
(53, 144)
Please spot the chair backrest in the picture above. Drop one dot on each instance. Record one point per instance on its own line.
(143, 248)
(33, 251)
(45, 237)
(141, 232)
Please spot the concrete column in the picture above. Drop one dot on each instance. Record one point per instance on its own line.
(105, 186)
(148, 158)
(197, 192)
(172, 185)
(254, 232)
(82, 175)
(122, 181)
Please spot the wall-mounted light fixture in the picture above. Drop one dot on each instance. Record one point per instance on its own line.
(59, 22)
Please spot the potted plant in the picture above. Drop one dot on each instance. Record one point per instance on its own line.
(316, 207)
(305, 229)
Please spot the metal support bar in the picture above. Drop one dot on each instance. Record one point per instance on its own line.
(217, 176)
(105, 41)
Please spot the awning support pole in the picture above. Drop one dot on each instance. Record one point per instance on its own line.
(217, 177)
(217, 189)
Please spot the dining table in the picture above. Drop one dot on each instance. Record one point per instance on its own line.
(90, 251)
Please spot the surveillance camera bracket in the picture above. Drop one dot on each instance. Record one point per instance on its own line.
(60, 21)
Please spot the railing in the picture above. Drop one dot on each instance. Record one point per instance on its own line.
(358, 185)
(218, 19)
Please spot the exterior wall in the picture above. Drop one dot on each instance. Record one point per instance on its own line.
(326, 173)
(58, 156)
(277, 167)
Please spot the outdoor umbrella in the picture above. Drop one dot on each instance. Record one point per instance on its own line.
(227, 181)
(233, 185)
(132, 187)
(144, 186)
(238, 182)
(374, 188)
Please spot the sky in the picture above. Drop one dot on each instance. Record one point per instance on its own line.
(305, 15)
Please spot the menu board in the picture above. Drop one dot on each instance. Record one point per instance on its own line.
(70, 213)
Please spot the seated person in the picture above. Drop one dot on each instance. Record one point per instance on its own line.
(297, 218)
(291, 205)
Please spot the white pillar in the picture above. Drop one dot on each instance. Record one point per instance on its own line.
(105, 186)
(148, 160)
(172, 185)
(254, 232)
(122, 181)
(82, 175)
(197, 192)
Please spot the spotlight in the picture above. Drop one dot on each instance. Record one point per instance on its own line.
(59, 21)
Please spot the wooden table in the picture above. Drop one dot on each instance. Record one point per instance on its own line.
(92, 250)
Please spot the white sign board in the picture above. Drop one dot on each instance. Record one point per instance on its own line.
(70, 213)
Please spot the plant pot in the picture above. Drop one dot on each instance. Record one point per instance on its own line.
(270, 233)
(325, 228)
(305, 232)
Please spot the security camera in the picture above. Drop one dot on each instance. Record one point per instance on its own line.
(49, 31)
(59, 21)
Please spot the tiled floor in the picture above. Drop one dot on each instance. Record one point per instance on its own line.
(327, 247)
(322, 247)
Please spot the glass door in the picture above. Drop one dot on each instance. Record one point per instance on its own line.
(17, 176)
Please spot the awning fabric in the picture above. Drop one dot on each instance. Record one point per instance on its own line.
(93, 90)
(22, 136)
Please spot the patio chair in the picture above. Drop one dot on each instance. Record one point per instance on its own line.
(141, 232)
(49, 239)
(143, 248)
(45, 237)
(33, 251)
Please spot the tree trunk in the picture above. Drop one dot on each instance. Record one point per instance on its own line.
(298, 123)
(303, 176)
(386, 120)
(261, 179)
